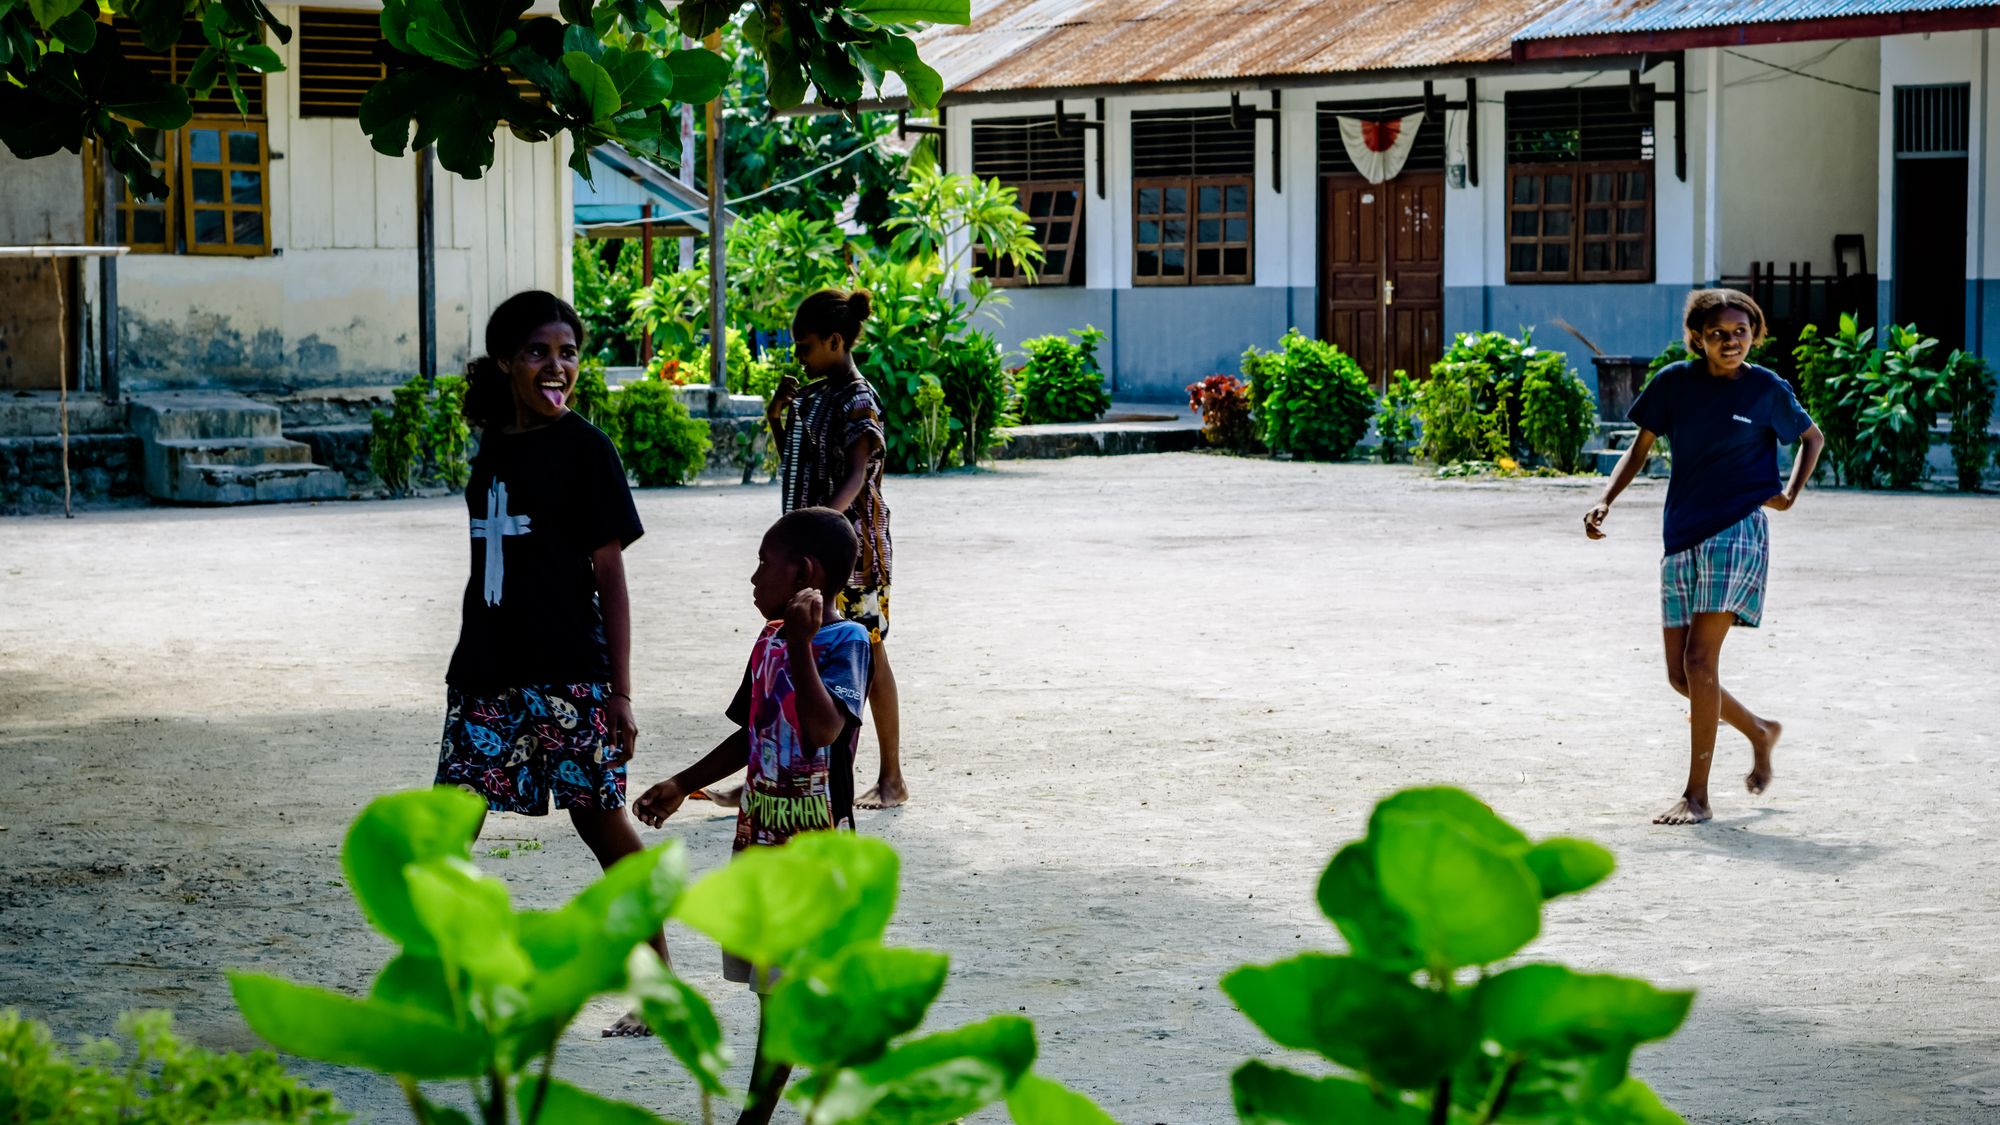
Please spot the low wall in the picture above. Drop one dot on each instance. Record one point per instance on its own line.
(104, 468)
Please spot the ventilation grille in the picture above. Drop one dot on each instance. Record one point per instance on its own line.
(1019, 150)
(1178, 143)
(1577, 126)
(337, 61)
(1933, 120)
(1427, 155)
(180, 58)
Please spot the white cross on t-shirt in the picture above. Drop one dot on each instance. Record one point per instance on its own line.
(497, 525)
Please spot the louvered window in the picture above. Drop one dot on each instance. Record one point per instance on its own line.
(1194, 199)
(1579, 187)
(217, 166)
(1046, 172)
(1933, 121)
(338, 61)
(1426, 154)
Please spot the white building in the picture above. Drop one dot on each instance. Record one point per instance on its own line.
(1589, 160)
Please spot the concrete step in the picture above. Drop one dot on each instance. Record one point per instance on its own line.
(39, 414)
(254, 484)
(233, 451)
(198, 415)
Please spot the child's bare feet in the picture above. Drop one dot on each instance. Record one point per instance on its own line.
(1687, 810)
(629, 1026)
(886, 793)
(1759, 778)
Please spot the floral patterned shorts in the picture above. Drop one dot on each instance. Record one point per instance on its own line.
(868, 607)
(524, 745)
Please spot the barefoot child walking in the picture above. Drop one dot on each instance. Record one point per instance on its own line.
(832, 446)
(539, 705)
(1725, 418)
(797, 716)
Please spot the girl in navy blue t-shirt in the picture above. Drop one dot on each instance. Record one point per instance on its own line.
(1725, 417)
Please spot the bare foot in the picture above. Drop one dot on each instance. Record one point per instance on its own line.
(1759, 778)
(629, 1026)
(886, 793)
(1687, 810)
(729, 798)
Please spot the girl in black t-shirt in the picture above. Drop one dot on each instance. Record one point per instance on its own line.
(539, 702)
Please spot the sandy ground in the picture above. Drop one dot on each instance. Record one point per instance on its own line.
(1145, 700)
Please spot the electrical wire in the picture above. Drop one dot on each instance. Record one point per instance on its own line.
(800, 178)
(1801, 73)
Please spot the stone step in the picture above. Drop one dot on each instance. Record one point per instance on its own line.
(39, 414)
(254, 484)
(233, 451)
(196, 415)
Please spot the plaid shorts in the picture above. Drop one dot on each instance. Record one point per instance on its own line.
(1724, 573)
(525, 745)
(868, 607)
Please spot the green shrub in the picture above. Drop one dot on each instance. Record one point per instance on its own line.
(1826, 361)
(662, 444)
(1971, 389)
(1476, 404)
(163, 1082)
(1396, 418)
(592, 398)
(975, 392)
(479, 991)
(934, 423)
(1061, 381)
(1311, 399)
(447, 439)
(1558, 414)
(1874, 404)
(1424, 1024)
(396, 444)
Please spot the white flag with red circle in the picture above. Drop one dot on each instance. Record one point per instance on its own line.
(1380, 148)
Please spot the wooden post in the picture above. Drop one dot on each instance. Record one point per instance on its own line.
(646, 272)
(427, 355)
(107, 285)
(718, 330)
(57, 266)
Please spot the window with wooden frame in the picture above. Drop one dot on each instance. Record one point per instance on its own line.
(1579, 187)
(1045, 170)
(337, 61)
(217, 166)
(1193, 199)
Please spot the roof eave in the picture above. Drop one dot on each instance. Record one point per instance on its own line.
(1572, 47)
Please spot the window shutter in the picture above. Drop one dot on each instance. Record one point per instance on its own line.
(1018, 150)
(1933, 120)
(179, 59)
(1576, 126)
(1197, 143)
(337, 61)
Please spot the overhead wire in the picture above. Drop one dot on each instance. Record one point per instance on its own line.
(759, 194)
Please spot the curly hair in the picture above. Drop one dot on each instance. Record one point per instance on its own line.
(1704, 304)
(831, 312)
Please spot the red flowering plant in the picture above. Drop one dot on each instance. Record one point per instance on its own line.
(1223, 402)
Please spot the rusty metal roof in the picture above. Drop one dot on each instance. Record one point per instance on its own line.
(1574, 18)
(1020, 47)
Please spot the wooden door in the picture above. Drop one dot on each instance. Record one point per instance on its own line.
(1382, 277)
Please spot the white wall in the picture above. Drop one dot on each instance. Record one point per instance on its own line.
(337, 300)
(1923, 60)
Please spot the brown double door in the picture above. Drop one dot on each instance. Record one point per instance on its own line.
(1382, 272)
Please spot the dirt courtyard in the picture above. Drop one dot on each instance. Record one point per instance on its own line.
(1145, 699)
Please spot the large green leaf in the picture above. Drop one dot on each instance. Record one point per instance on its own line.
(467, 915)
(765, 906)
(933, 1080)
(682, 1019)
(600, 93)
(630, 902)
(1468, 902)
(1564, 866)
(898, 53)
(48, 13)
(955, 12)
(863, 874)
(845, 1012)
(395, 831)
(1357, 1015)
(1456, 805)
(316, 1024)
(1038, 1101)
(414, 981)
(1552, 1011)
(564, 1104)
(1269, 1095)
(1632, 1103)
(466, 34)
(1351, 896)
(699, 75)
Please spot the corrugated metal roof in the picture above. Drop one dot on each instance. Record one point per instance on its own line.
(1616, 17)
(1055, 45)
